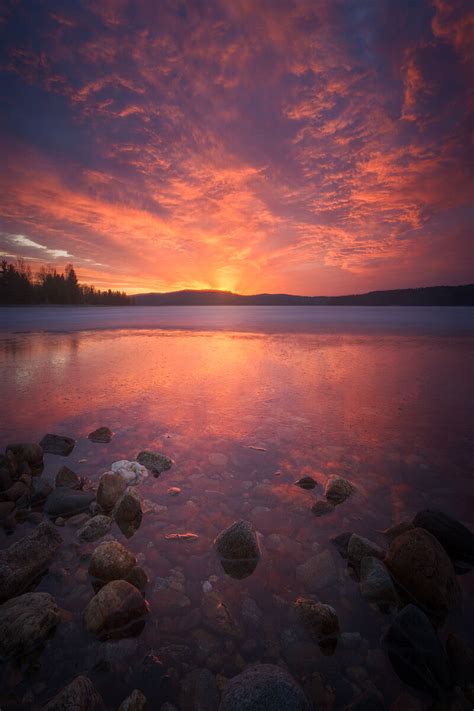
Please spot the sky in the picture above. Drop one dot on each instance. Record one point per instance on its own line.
(297, 146)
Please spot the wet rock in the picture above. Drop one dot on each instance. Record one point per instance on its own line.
(461, 660)
(15, 492)
(416, 653)
(23, 562)
(317, 572)
(66, 477)
(57, 444)
(6, 478)
(128, 512)
(456, 539)
(111, 487)
(66, 502)
(320, 621)
(94, 528)
(342, 542)
(338, 489)
(40, 490)
(135, 702)
(376, 584)
(217, 615)
(32, 454)
(322, 507)
(423, 572)
(394, 531)
(79, 695)
(169, 601)
(138, 577)
(111, 561)
(367, 701)
(26, 622)
(307, 482)
(117, 610)
(155, 462)
(205, 642)
(251, 613)
(359, 548)
(238, 549)
(263, 686)
(199, 691)
(131, 472)
(102, 435)
(6, 508)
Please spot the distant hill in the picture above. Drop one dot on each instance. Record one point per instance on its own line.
(425, 296)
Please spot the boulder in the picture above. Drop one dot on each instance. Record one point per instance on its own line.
(57, 444)
(461, 660)
(111, 561)
(456, 539)
(128, 512)
(16, 491)
(102, 435)
(394, 531)
(117, 610)
(66, 502)
(360, 547)
(338, 489)
(79, 695)
(321, 507)
(320, 621)
(66, 477)
(111, 487)
(32, 454)
(307, 482)
(416, 653)
(135, 702)
(376, 584)
(217, 616)
(342, 542)
(26, 560)
(238, 542)
(137, 577)
(131, 472)
(95, 528)
(263, 686)
(155, 462)
(423, 572)
(26, 622)
(199, 691)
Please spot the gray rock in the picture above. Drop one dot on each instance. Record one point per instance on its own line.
(307, 482)
(376, 584)
(32, 454)
(135, 702)
(117, 610)
(456, 539)
(128, 511)
(320, 621)
(66, 477)
(23, 562)
(95, 528)
(322, 507)
(79, 695)
(111, 561)
(338, 489)
(317, 572)
(67, 502)
(238, 549)
(57, 444)
(199, 691)
(26, 622)
(262, 687)
(217, 616)
(359, 548)
(102, 435)
(111, 487)
(342, 542)
(154, 461)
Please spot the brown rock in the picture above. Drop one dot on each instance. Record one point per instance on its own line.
(111, 561)
(79, 695)
(118, 610)
(135, 702)
(338, 489)
(320, 621)
(111, 488)
(66, 477)
(32, 454)
(26, 622)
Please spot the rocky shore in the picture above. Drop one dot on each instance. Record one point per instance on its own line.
(210, 656)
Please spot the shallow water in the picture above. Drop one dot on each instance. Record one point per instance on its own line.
(246, 400)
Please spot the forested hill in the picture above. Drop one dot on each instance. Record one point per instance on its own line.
(425, 296)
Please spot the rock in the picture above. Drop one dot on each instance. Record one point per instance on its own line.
(25, 561)
(322, 507)
(199, 691)
(394, 531)
(128, 512)
(26, 622)
(307, 482)
(15, 492)
(66, 502)
(6, 477)
(138, 578)
(32, 454)
(376, 584)
(57, 444)
(359, 548)
(342, 542)
(79, 695)
(94, 528)
(217, 616)
(251, 613)
(174, 491)
(131, 472)
(40, 490)
(66, 477)
(181, 537)
(111, 561)
(456, 539)
(135, 702)
(416, 653)
(117, 610)
(367, 701)
(101, 435)
(461, 659)
(338, 489)
(320, 621)
(317, 572)
(111, 487)
(6, 508)
(238, 549)
(423, 572)
(263, 686)
(155, 462)
(169, 601)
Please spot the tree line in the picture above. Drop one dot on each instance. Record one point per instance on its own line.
(18, 285)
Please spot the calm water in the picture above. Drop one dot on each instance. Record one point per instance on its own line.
(246, 400)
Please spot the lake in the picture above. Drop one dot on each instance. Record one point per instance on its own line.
(245, 401)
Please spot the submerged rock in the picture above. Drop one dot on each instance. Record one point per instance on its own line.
(263, 686)
(79, 695)
(217, 616)
(342, 542)
(416, 653)
(376, 584)
(320, 621)
(322, 507)
(26, 622)
(25, 561)
(57, 444)
(423, 572)
(40, 490)
(399, 528)
(461, 660)
(307, 482)
(199, 691)
(131, 472)
(360, 547)
(338, 489)
(456, 539)
(128, 512)
(317, 572)
(155, 462)
(66, 477)
(117, 610)
(102, 435)
(111, 487)
(111, 561)
(238, 549)
(135, 702)
(67, 502)
(32, 454)
(95, 528)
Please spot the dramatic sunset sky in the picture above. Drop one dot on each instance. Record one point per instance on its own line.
(303, 146)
